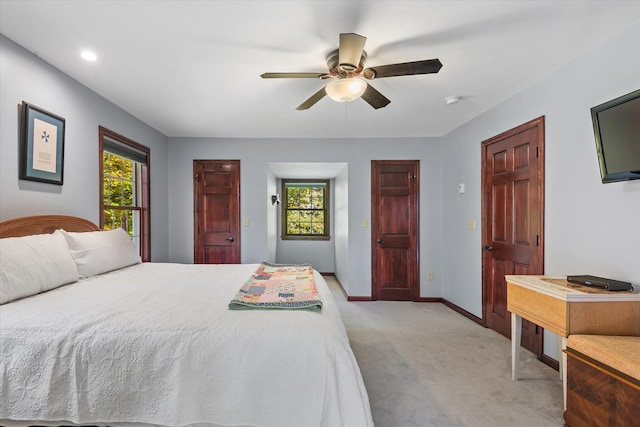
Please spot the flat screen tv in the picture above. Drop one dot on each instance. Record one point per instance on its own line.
(616, 125)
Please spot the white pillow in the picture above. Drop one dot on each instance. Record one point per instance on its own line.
(97, 252)
(33, 264)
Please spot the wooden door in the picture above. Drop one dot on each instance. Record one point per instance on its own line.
(394, 230)
(216, 186)
(513, 221)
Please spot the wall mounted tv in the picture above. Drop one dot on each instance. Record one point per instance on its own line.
(616, 125)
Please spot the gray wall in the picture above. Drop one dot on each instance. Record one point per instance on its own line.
(272, 217)
(341, 226)
(590, 227)
(26, 77)
(255, 154)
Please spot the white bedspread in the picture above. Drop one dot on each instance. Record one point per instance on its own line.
(157, 344)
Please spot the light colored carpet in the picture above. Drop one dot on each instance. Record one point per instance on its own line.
(426, 365)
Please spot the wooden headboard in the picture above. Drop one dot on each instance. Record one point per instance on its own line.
(44, 224)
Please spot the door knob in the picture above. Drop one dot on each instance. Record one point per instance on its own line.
(488, 248)
(380, 241)
(231, 239)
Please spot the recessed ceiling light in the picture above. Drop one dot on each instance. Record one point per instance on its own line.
(88, 55)
(452, 100)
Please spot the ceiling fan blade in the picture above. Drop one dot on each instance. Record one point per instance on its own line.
(312, 100)
(350, 51)
(375, 98)
(293, 75)
(428, 66)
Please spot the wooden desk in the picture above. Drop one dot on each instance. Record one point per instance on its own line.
(564, 309)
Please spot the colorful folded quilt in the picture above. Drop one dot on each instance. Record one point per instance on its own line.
(279, 286)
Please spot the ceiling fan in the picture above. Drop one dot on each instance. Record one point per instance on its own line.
(346, 64)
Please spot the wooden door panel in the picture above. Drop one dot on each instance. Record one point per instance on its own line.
(216, 179)
(394, 230)
(217, 254)
(521, 209)
(513, 178)
(395, 176)
(217, 211)
(395, 269)
(531, 334)
(394, 211)
(498, 299)
(499, 161)
(499, 205)
(521, 156)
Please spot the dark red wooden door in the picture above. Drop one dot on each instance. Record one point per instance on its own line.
(216, 211)
(513, 213)
(394, 230)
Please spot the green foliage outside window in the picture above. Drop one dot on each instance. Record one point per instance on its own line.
(118, 192)
(305, 213)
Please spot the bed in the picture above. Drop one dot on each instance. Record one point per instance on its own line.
(156, 343)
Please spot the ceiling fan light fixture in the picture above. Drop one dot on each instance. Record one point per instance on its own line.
(346, 90)
(349, 77)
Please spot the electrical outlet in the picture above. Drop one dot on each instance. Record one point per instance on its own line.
(430, 276)
(246, 222)
(365, 223)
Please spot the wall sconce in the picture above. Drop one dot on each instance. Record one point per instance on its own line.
(275, 199)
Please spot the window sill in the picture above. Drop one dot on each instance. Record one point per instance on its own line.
(305, 237)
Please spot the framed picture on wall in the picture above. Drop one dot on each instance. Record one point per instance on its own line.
(41, 145)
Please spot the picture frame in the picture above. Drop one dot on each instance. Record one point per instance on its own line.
(41, 145)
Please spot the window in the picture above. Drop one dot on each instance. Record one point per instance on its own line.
(305, 209)
(124, 186)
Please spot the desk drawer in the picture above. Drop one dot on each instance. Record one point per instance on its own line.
(604, 318)
(541, 309)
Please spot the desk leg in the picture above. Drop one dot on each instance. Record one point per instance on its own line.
(563, 370)
(516, 336)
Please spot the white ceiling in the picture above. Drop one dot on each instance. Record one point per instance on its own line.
(191, 68)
